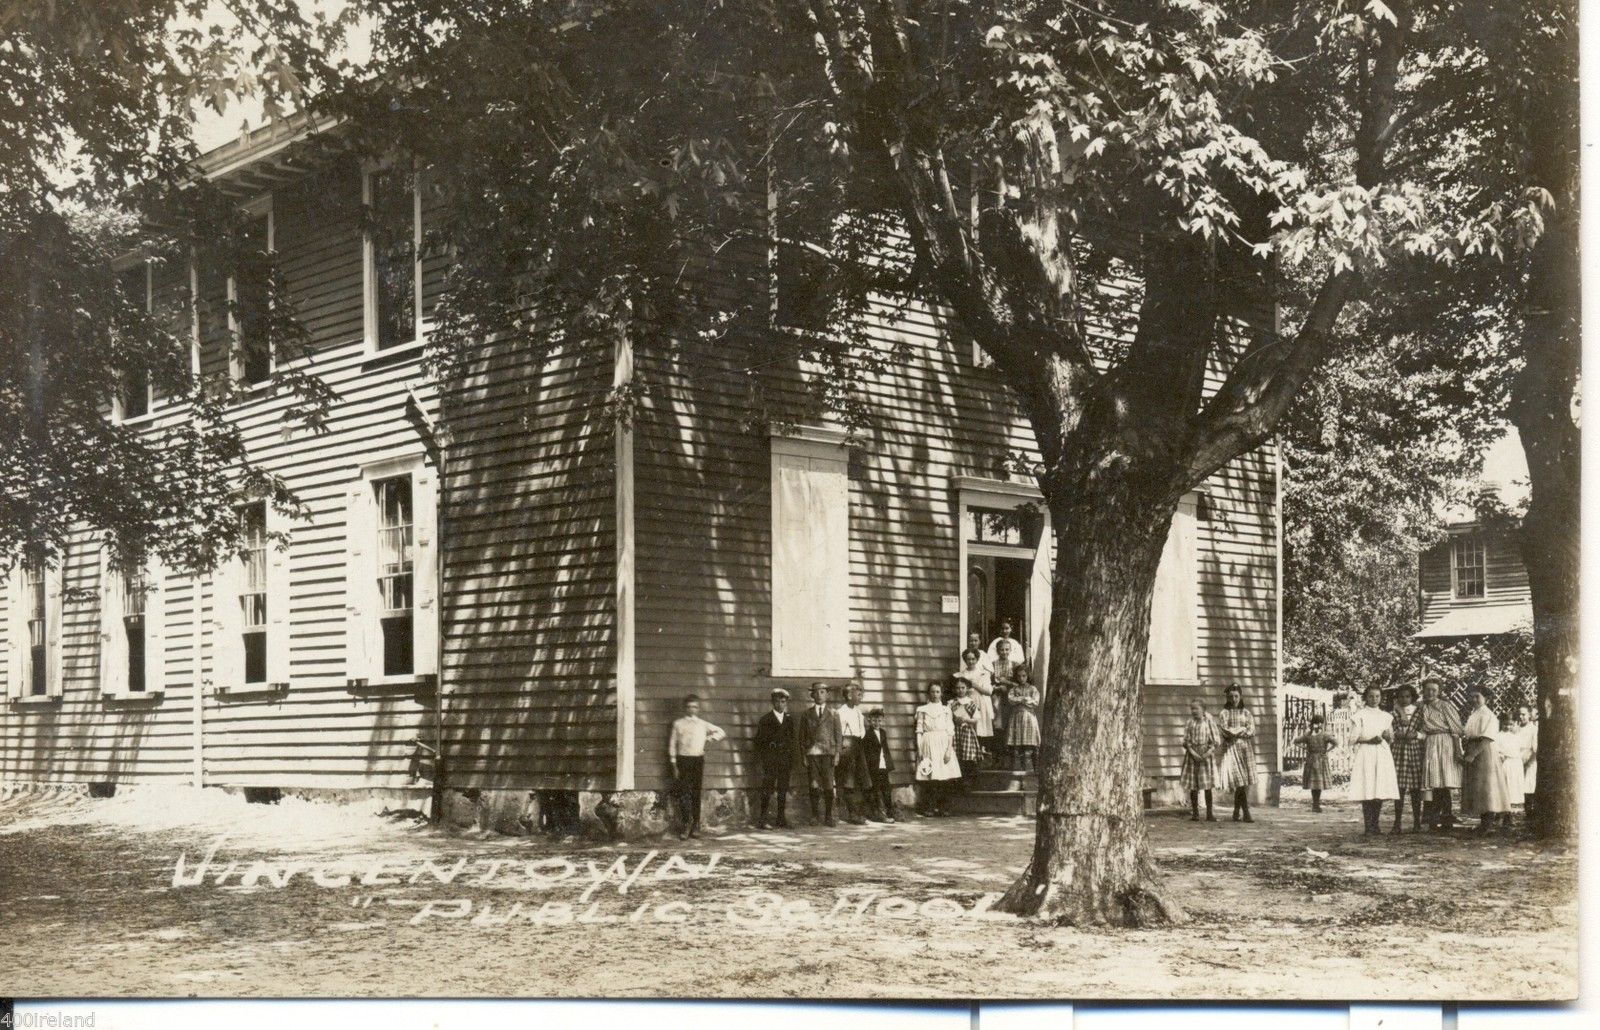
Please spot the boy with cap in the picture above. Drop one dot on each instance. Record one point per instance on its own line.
(820, 736)
(775, 750)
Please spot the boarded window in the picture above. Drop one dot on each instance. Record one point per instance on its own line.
(392, 268)
(1172, 654)
(1468, 560)
(810, 558)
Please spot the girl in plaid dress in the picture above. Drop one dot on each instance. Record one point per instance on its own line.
(1022, 725)
(969, 751)
(1409, 749)
(1201, 738)
(1317, 775)
(1236, 766)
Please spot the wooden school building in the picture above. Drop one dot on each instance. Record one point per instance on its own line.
(531, 592)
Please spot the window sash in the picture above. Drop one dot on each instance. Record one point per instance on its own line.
(1468, 562)
(392, 237)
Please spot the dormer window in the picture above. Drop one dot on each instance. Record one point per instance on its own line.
(1467, 564)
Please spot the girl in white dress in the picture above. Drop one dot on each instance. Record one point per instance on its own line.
(936, 749)
(1372, 778)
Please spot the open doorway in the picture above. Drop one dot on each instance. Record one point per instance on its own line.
(997, 592)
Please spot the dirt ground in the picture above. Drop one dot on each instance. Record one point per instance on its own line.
(309, 899)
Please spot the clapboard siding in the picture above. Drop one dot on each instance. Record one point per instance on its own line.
(1505, 580)
(530, 571)
(703, 528)
(319, 733)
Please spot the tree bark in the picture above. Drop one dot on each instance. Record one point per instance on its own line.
(1091, 863)
(1543, 407)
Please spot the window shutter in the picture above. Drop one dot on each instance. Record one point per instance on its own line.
(16, 663)
(227, 658)
(1172, 650)
(113, 641)
(155, 627)
(425, 571)
(360, 581)
(278, 605)
(810, 559)
(55, 608)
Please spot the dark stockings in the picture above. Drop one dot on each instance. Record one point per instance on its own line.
(1194, 807)
(1316, 800)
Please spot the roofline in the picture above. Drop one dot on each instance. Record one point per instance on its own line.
(260, 144)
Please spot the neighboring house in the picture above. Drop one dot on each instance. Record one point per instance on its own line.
(535, 599)
(1473, 590)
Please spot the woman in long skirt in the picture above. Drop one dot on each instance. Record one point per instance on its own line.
(1484, 790)
(1201, 738)
(936, 750)
(1410, 750)
(1237, 763)
(1022, 726)
(1372, 777)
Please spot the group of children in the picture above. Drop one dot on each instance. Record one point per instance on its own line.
(1219, 754)
(1421, 752)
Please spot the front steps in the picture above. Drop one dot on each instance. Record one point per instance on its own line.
(999, 792)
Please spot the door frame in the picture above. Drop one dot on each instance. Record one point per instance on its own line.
(978, 492)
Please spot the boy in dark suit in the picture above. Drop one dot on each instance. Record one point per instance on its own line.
(820, 737)
(880, 763)
(775, 750)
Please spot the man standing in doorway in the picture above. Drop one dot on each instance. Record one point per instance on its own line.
(851, 771)
(775, 748)
(820, 736)
(686, 750)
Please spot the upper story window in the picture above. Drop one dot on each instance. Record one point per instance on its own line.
(249, 296)
(253, 592)
(133, 397)
(392, 249)
(1467, 561)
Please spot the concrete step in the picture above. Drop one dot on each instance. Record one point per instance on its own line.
(1004, 779)
(995, 802)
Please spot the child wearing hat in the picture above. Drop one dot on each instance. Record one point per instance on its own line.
(775, 751)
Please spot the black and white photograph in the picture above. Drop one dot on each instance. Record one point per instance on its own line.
(808, 499)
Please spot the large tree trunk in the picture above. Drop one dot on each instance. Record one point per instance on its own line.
(1091, 863)
(1544, 409)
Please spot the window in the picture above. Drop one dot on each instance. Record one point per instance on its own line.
(391, 621)
(1017, 527)
(33, 631)
(250, 606)
(395, 597)
(253, 592)
(1172, 656)
(133, 598)
(131, 617)
(133, 400)
(1468, 560)
(810, 554)
(392, 248)
(249, 290)
(33, 579)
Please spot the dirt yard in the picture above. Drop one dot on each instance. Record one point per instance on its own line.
(115, 897)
